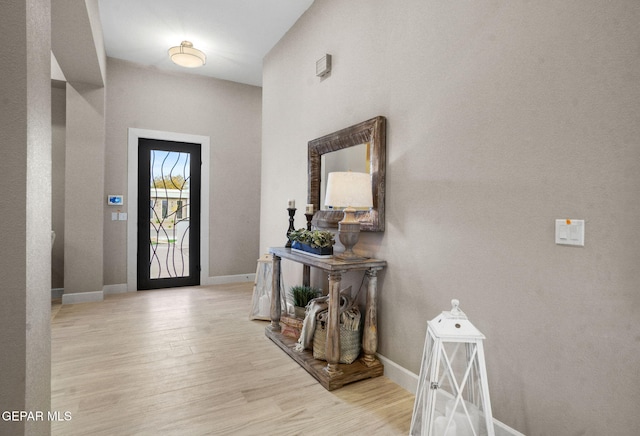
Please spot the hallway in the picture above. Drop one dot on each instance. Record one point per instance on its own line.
(188, 361)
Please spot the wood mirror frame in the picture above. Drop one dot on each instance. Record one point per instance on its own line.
(372, 131)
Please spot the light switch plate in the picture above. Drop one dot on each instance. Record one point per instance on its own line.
(570, 232)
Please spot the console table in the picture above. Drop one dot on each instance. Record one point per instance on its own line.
(331, 374)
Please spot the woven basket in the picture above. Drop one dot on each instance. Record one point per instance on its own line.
(350, 340)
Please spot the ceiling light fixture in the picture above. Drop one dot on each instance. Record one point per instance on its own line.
(187, 56)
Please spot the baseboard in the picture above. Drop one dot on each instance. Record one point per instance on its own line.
(409, 381)
(115, 289)
(219, 280)
(502, 429)
(57, 293)
(399, 375)
(223, 280)
(82, 297)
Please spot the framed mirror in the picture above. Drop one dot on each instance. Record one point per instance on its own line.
(368, 140)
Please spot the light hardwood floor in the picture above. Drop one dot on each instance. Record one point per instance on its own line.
(188, 361)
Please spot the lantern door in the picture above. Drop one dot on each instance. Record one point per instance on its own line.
(453, 396)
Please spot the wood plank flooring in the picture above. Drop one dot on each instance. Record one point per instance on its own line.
(188, 361)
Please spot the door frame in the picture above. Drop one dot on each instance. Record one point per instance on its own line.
(146, 169)
(132, 198)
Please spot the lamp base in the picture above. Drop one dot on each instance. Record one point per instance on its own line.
(349, 233)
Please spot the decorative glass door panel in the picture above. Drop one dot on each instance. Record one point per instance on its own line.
(169, 224)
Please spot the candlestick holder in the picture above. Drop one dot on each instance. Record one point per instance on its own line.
(309, 218)
(306, 269)
(292, 213)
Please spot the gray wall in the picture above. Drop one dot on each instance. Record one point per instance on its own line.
(25, 165)
(84, 183)
(77, 43)
(58, 121)
(227, 112)
(502, 116)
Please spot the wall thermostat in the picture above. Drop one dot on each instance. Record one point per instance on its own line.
(115, 200)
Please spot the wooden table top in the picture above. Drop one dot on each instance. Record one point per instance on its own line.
(328, 264)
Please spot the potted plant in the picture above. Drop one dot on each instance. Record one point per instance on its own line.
(301, 295)
(319, 242)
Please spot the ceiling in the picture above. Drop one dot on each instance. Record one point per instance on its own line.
(234, 34)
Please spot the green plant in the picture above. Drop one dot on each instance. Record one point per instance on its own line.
(301, 295)
(315, 238)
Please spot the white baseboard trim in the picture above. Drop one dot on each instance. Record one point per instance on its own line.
(399, 375)
(57, 293)
(219, 280)
(502, 429)
(115, 289)
(82, 297)
(409, 381)
(223, 280)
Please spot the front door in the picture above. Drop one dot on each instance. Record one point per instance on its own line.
(168, 214)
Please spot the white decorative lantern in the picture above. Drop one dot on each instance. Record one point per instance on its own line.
(453, 393)
(261, 299)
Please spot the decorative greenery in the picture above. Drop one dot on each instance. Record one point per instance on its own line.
(301, 295)
(315, 238)
(170, 182)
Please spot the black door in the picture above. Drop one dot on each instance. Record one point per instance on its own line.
(168, 214)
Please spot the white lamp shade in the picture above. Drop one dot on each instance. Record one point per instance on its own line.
(187, 56)
(349, 189)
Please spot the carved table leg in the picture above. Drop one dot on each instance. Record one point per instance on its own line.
(306, 275)
(370, 334)
(333, 325)
(276, 310)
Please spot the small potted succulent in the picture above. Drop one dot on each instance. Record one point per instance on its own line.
(319, 242)
(300, 296)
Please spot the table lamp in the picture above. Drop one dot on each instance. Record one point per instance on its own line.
(349, 190)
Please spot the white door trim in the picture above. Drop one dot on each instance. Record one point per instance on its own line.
(132, 198)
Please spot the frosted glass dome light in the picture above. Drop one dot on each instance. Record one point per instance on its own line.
(187, 56)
